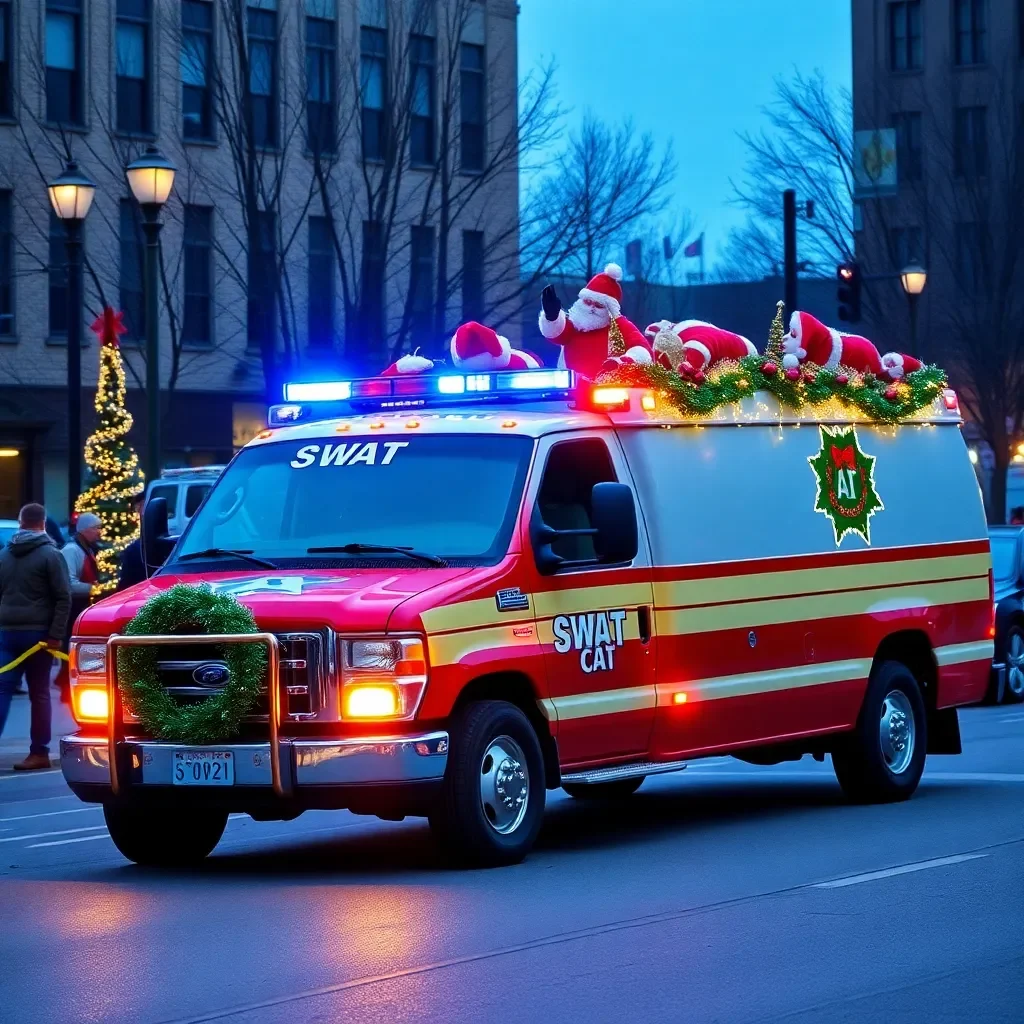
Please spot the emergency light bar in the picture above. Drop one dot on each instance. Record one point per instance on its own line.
(314, 400)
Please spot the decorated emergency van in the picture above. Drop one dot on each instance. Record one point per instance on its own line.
(446, 595)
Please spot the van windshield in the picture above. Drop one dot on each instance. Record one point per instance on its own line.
(451, 496)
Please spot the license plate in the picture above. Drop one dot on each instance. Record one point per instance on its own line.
(204, 768)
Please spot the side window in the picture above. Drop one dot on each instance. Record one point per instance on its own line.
(194, 498)
(170, 493)
(565, 490)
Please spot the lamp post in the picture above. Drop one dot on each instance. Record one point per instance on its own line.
(71, 195)
(913, 278)
(151, 179)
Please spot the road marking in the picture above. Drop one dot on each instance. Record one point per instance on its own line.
(43, 835)
(906, 869)
(819, 774)
(29, 775)
(1012, 718)
(64, 842)
(50, 814)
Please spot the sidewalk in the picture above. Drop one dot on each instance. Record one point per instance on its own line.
(14, 742)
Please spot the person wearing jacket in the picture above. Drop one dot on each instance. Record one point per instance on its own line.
(133, 568)
(80, 555)
(35, 600)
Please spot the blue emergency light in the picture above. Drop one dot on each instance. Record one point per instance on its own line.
(316, 400)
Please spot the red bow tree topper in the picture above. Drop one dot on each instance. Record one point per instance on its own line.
(109, 326)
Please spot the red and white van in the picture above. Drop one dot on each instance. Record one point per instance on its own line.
(482, 587)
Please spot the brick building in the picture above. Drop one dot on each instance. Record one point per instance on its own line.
(316, 142)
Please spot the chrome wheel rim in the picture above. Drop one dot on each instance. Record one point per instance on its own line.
(1015, 663)
(896, 732)
(504, 785)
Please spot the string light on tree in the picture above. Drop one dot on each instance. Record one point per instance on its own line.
(114, 477)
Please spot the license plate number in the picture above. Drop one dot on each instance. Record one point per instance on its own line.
(204, 768)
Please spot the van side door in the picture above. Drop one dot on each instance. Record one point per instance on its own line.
(594, 620)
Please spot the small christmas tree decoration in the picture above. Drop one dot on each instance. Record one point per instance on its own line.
(113, 477)
(776, 334)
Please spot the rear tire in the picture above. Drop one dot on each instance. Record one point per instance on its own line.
(618, 790)
(493, 793)
(164, 838)
(1013, 649)
(881, 761)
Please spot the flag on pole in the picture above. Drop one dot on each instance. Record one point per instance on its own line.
(695, 248)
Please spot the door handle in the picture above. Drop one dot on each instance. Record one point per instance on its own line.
(643, 616)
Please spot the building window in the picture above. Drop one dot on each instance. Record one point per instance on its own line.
(6, 52)
(262, 305)
(57, 267)
(132, 66)
(971, 155)
(321, 58)
(130, 294)
(373, 279)
(421, 283)
(421, 100)
(969, 31)
(472, 275)
(474, 100)
(196, 63)
(905, 53)
(321, 284)
(197, 319)
(906, 246)
(909, 155)
(970, 255)
(262, 93)
(64, 61)
(373, 73)
(6, 266)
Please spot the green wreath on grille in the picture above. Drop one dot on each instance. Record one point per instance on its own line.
(181, 610)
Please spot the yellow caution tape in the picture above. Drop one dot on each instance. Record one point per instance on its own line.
(28, 654)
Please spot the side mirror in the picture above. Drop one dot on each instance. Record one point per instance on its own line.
(613, 513)
(156, 545)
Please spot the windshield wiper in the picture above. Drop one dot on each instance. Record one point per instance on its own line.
(378, 549)
(245, 556)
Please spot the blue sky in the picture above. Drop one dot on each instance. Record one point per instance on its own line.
(694, 71)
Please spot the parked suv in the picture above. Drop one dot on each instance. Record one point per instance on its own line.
(1008, 572)
(183, 490)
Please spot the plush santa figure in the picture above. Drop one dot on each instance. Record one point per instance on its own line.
(809, 340)
(896, 366)
(475, 347)
(409, 365)
(691, 346)
(592, 324)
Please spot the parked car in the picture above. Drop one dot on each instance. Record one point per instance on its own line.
(8, 528)
(183, 490)
(1008, 572)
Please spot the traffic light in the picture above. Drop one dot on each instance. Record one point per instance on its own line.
(848, 292)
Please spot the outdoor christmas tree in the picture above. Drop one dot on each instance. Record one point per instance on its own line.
(113, 477)
(775, 336)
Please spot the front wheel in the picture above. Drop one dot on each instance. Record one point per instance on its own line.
(164, 838)
(1013, 691)
(882, 760)
(493, 794)
(604, 790)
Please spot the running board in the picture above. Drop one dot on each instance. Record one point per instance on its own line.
(623, 771)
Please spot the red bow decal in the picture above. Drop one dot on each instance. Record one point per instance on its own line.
(109, 325)
(844, 457)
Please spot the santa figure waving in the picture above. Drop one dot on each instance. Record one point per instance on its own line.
(593, 331)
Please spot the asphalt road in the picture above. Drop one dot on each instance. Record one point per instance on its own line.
(726, 893)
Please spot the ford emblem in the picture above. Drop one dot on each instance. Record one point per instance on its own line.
(212, 675)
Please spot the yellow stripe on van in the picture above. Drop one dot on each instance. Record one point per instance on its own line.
(749, 614)
(725, 589)
(601, 702)
(958, 654)
(472, 615)
(590, 599)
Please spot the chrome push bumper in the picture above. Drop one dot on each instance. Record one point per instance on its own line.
(312, 763)
(280, 767)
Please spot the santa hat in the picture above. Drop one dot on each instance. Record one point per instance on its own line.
(476, 347)
(809, 340)
(409, 364)
(605, 288)
(896, 365)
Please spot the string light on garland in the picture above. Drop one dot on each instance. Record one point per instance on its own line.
(114, 477)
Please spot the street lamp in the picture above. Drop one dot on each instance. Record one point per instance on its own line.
(913, 278)
(71, 195)
(151, 179)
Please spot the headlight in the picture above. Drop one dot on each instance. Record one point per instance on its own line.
(382, 679)
(90, 659)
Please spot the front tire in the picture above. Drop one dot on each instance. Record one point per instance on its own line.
(882, 760)
(164, 838)
(619, 790)
(1013, 646)
(493, 793)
